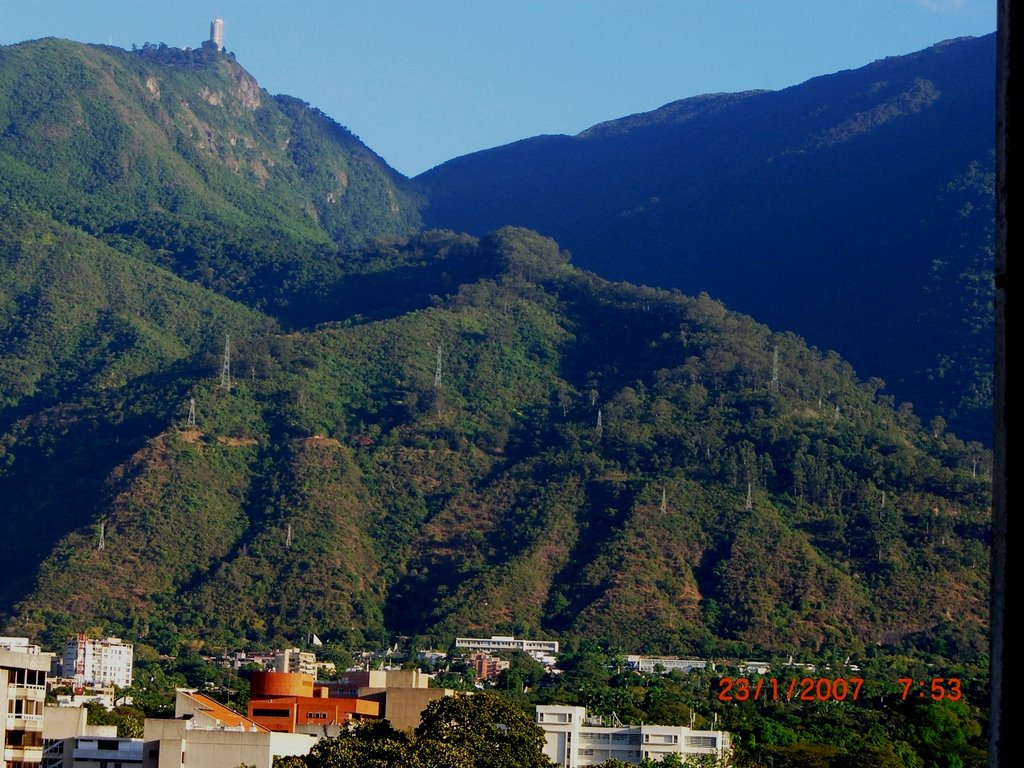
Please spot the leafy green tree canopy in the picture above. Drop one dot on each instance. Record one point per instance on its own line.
(487, 728)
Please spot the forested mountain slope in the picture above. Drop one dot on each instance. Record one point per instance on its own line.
(855, 209)
(179, 158)
(528, 448)
(244, 397)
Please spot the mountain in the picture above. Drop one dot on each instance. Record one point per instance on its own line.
(180, 158)
(855, 209)
(534, 449)
(244, 396)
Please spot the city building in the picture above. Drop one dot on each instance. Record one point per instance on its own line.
(97, 746)
(651, 664)
(574, 740)
(543, 651)
(293, 660)
(62, 726)
(403, 694)
(106, 661)
(18, 644)
(485, 665)
(291, 702)
(205, 733)
(434, 658)
(105, 696)
(22, 701)
(239, 659)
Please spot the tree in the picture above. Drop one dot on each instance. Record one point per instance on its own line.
(373, 744)
(465, 731)
(485, 728)
(130, 722)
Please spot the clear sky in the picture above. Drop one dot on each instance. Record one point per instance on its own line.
(423, 81)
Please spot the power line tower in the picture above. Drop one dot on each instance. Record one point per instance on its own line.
(225, 370)
(103, 530)
(437, 370)
(191, 413)
(775, 369)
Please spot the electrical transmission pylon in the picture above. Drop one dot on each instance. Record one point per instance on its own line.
(225, 371)
(191, 412)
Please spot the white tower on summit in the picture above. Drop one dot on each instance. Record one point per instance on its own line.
(217, 33)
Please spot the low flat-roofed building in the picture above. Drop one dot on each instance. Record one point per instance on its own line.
(574, 740)
(542, 650)
(205, 733)
(95, 752)
(403, 694)
(18, 644)
(650, 664)
(62, 726)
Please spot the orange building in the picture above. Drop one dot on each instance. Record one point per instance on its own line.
(290, 702)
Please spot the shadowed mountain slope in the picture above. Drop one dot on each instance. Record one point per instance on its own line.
(855, 209)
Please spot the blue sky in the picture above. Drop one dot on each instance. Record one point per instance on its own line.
(422, 81)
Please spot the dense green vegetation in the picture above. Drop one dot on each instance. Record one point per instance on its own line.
(537, 451)
(856, 209)
(242, 399)
(181, 159)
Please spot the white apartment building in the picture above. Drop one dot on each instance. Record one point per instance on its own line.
(542, 650)
(294, 661)
(574, 741)
(22, 701)
(89, 661)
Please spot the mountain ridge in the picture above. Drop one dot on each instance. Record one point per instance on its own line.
(877, 179)
(402, 429)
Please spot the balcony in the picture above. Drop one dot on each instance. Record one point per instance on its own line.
(22, 722)
(21, 691)
(23, 754)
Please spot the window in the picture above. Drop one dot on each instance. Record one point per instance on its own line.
(702, 741)
(266, 712)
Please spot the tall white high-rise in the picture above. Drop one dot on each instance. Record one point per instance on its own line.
(217, 33)
(98, 662)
